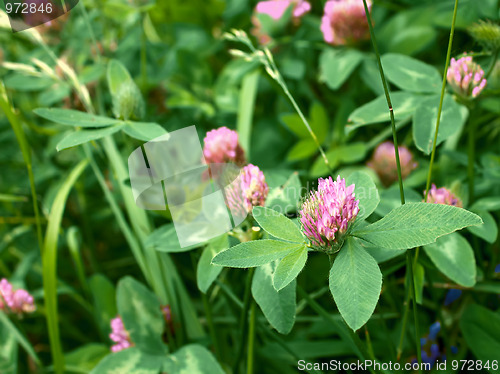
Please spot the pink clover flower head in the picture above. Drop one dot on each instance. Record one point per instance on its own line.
(23, 302)
(344, 21)
(442, 196)
(221, 146)
(253, 186)
(248, 190)
(119, 335)
(327, 213)
(384, 162)
(15, 301)
(465, 77)
(276, 8)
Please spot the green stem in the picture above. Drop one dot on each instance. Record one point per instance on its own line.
(239, 304)
(211, 326)
(377, 139)
(144, 56)
(275, 74)
(443, 88)
(244, 318)
(388, 98)
(120, 219)
(15, 122)
(331, 258)
(306, 123)
(403, 327)
(251, 339)
(409, 266)
(91, 32)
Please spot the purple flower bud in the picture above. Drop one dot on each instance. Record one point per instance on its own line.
(119, 335)
(454, 349)
(434, 330)
(442, 196)
(221, 146)
(384, 162)
(451, 296)
(344, 22)
(423, 341)
(327, 213)
(497, 269)
(465, 77)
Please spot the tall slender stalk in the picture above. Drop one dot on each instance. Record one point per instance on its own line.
(406, 310)
(410, 264)
(276, 75)
(244, 319)
(443, 88)
(388, 98)
(251, 339)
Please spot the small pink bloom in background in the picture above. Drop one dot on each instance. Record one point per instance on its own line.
(344, 22)
(442, 196)
(119, 335)
(384, 162)
(327, 213)
(276, 9)
(466, 77)
(15, 301)
(248, 190)
(221, 146)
